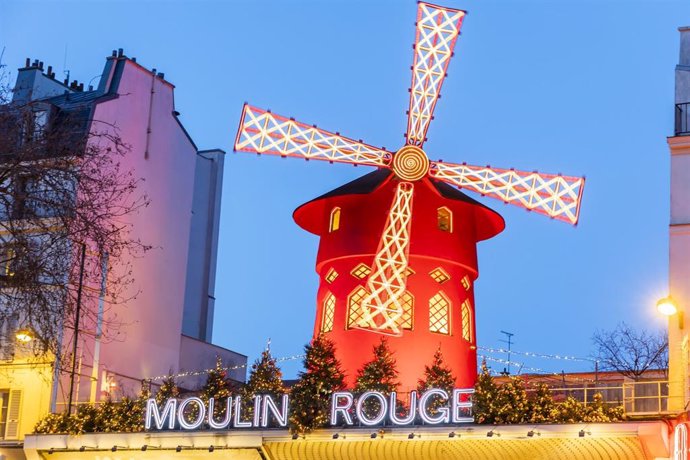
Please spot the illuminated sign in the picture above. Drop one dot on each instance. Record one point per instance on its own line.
(193, 413)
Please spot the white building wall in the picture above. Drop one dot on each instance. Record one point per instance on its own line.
(679, 241)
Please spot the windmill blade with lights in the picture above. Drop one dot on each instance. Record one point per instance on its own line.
(437, 30)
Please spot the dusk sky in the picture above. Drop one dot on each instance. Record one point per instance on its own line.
(577, 87)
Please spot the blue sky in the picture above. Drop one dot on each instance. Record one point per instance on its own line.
(578, 87)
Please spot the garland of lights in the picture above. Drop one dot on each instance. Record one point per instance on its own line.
(486, 349)
(206, 371)
(536, 355)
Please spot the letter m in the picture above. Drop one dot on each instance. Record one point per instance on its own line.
(152, 412)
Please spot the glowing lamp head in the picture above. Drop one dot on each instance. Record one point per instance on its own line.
(667, 306)
(24, 335)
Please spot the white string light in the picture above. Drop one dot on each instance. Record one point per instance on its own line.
(537, 355)
(231, 368)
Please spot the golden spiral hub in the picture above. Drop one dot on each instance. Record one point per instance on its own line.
(410, 163)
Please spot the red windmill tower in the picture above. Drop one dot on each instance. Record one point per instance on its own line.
(383, 268)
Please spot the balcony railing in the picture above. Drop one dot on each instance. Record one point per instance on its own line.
(637, 398)
(683, 119)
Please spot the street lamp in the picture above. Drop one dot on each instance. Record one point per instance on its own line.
(24, 335)
(667, 307)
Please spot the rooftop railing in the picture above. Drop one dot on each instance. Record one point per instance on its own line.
(683, 119)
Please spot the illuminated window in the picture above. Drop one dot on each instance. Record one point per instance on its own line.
(439, 314)
(407, 318)
(466, 321)
(361, 271)
(409, 271)
(328, 313)
(439, 275)
(445, 219)
(331, 275)
(466, 283)
(354, 307)
(8, 262)
(335, 220)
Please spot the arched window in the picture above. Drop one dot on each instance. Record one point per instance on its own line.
(334, 223)
(439, 314)
(466, 321)
(444, 219)
(328, 313)
(354, 307)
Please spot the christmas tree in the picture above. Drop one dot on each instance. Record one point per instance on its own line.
(513, 405)
(167, 390)
(310, 398)
(217, 387)
(380, 374)
(265, 378)
(440, 376)
(541, 405)
(484, 399)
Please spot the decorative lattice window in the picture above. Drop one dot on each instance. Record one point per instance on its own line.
(407, 318)
(409, 271)
(466, 321)
(354, 307)
(331, 275)
(439, 314)
(445, 219)
(439, 275)
(334, 223)
(466, 283)
(328, 313)
(361, 271)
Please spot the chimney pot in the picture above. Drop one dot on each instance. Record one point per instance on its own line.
(90, 87)
(120, 52)
(40, 65)
(50, 69)
(114, 53)
(28, 62)
(134, 59)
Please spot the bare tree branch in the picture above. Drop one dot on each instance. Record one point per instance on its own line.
(630, 353)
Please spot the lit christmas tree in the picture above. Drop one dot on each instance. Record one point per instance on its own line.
(167, 390)
(484, 399)
(379, 374)
(542, 405)
(265, 378)
(217, 387)
(440, 376)
(310, 398)
(513, 405)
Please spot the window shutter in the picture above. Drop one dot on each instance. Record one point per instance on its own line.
(13, 411)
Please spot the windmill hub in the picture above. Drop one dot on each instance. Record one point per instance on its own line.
(410, 163)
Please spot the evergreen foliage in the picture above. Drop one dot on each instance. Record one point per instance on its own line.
(485, 397)
(310, 398)
(380, 374)
(265, 378)
(218, 387)
(541, 405)
(513, 406)
(440, 376)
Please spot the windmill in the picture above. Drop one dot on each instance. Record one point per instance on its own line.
(401, 236)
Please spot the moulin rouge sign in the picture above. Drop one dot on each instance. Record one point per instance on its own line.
(457, 409)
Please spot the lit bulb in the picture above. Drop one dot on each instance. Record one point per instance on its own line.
(666, 306)
(24, 335)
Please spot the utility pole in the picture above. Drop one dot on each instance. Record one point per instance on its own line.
(509, 341)
(76, 328)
